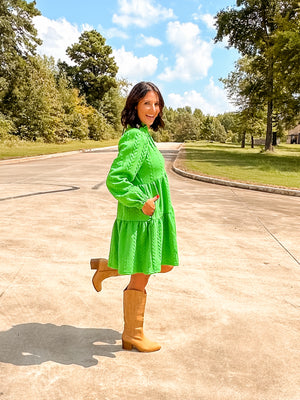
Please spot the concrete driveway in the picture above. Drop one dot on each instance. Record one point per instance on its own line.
(228, 318)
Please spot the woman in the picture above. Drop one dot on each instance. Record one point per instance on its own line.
(143, 239)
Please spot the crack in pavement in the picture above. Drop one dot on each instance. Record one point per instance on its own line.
(267, 229)
(96, 187)
(70, 188)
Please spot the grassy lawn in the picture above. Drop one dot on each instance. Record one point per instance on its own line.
(26, 149)
(227, 161)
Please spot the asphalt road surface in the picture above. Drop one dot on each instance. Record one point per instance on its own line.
(228, 317)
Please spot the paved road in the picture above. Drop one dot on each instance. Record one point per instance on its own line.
(228, 317)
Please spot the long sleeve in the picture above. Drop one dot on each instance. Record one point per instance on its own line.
(132, 152)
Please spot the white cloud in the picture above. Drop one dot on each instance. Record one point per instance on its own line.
(141, 13)
(224, 43)
(189, 98)
(112, 32)
(57, 35)
(193, 56)
(149, 41)
(132, 67)
(208, 19)
(215, 100)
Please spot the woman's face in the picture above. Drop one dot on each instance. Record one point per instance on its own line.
(148, 108)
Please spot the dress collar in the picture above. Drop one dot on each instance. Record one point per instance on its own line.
(142, 127)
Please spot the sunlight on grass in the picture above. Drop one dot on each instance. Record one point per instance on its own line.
(227, 161)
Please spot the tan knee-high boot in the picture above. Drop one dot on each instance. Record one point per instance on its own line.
(133, 335)
(103, 272)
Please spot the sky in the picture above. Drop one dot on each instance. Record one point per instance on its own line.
(168, 42)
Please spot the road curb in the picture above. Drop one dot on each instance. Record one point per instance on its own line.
(40, 157)
(175, 168)
(224, 182)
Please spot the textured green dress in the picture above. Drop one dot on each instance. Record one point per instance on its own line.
(140, 243)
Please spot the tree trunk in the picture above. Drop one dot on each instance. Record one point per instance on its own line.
(252, 142)
(274, 140)
(243, 140)
(269, 134)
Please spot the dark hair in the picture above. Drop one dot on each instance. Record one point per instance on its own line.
(129, 114)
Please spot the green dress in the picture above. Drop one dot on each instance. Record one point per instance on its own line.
(140, 243)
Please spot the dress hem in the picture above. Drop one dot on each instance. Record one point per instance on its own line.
(142, 272)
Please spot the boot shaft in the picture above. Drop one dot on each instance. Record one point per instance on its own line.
(133, 334)
(134, 303)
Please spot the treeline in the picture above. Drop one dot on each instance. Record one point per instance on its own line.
(56, 102)
(40, 104)
(45, 101)
(42, 100)
(183, 124)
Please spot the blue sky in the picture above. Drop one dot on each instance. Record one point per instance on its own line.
(167, 42)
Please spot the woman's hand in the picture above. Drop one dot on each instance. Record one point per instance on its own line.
(149, 206)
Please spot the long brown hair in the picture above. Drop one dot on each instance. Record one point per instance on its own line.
(129, 114)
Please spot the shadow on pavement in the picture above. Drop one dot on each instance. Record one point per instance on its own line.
(35, 343)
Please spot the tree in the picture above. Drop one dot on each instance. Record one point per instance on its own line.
(286, 51)
(18, 37)
(250, 123)
(185, 126)
(228, 120)
(34, 103)
(253, 29)
(95, 68)
(245, 87)
(212, 130)
(218, 131)
(75, 111)
(6, 127)
(199, 119)
(167, 133)
(113, 103)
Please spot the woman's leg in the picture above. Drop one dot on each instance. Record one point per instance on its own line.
(138, 282)
(166, 268)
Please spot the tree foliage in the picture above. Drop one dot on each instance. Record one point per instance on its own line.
(39, 102)
(18, 37)
(256, 28)
(6, 127)
(286, 51)
(95, 68)
(33, 103)
(113, 103)
(184, 125)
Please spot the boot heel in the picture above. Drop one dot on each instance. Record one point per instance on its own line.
(126, 345)
(94, 263)
(97, 283)
(98, 263)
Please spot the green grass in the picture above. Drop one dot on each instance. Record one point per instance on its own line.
(26, 149)
(227, 161)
